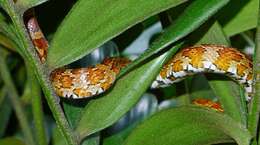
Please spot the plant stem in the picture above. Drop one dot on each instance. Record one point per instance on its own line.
(5, 110)
(13, 96)
(255, 104)
(41, 73)
(2, 94)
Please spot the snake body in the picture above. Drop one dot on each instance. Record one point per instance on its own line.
(207, 58)
(94, 80)
(38, 39)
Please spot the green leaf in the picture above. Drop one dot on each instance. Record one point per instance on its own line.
(193, 16)
(104, 111)
(188, 126)
(11, 141)
(237, 17)
(93, 22)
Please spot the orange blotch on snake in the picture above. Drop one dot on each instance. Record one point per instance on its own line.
(227, 56)
(66, 81)
(163, 73)
(82, 92)
(241, 68)
(249, 76)
(41, 46)
(116, 63)
(59, 92)
(82, 82)
(98, 74)
(177, 66)
(195, 54)
(38, 39)
(105, 85)
(208, 103)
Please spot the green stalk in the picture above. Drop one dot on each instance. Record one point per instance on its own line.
(5, 110)
(258, 138)
(255, 104)
(2, 93)
(13, 96)
(37, 109)
(41, 73)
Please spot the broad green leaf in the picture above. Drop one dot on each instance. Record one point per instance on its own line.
(11, 141)
(91, 23)
(240, 16)
(104, 111)
(188, 126)
(194, 15)
(226, 90)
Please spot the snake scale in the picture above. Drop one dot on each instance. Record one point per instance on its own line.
(90, 81)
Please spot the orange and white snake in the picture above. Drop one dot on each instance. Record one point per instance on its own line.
(90, 81)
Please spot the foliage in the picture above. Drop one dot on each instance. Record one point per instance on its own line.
(77, 28)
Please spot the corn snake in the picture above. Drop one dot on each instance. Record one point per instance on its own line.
(94, 80)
